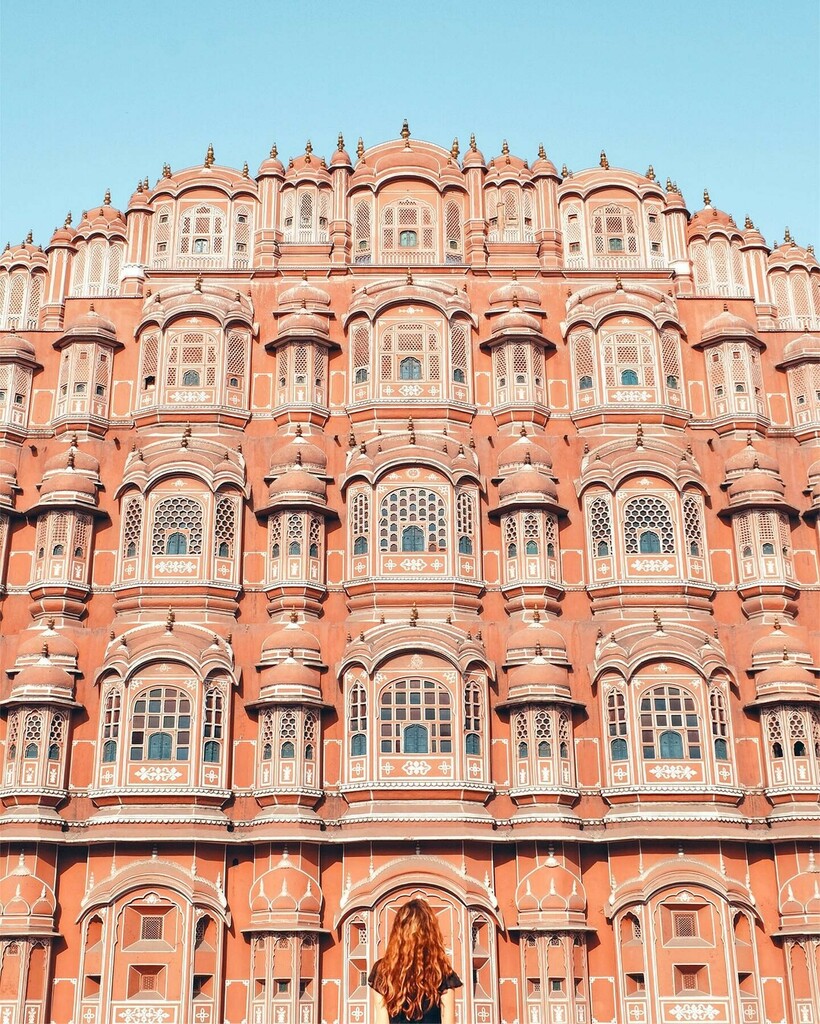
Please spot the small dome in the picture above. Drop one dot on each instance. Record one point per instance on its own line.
(68, 482)
(516, 321)
(790, 253)
(92, 324)
(551, 890)
(83, 462)
(785, 677)
(756, 482)
(525, 451)
(272, 165)
(286, 893)
(12, 346)
(727, 325)
(473, 157)
(44, 675)
(526, 483)
(290, 637)
(525, 640)
(304, 292)
(514, 291)
(543, 165)
(711, 219)
(299, 451)
(806, 347)
(771, 648)
(303, 323)
(538, 676)
(24, 895)
(8, 482)
(59, 646)
(291, 674)
(341, 157)
(298, 482)
(748, 460)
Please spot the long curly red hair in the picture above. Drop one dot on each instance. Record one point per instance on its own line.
(415, 964)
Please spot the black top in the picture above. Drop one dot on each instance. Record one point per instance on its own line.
(432, 1014)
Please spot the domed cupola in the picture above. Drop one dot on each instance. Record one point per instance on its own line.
(536, 639)
(529, 487)
(71, 479)
(748, 459)
(813, 489)
(271, 166)
(104, 220)
(525, 451)
(27, 904)
(801, 361)
(794, 281)
(759, 485)
(538, 681)
(780, 645)
(726, 326)
(62, 652)
(291, 640)
(8, 487)
(543, 167)
(289, 680)
(43, 681)
(286, 898)
(786, 681)
(83, 395)
(799, 900)
(298, 451)
(17, 368)
(551, 898)
(710, 220)
(473, 157)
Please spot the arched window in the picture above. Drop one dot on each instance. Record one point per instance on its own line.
(616, 723)
(720, 724)
(410, 369)
(161, 725)
(472, 718)
(360, 522)
(416, 740)
(411, 509)
(648, 526)
(213, 713)
(357, 720)
(406, 703)
(111, 725)
(629, 377)
(177, 527)
(614, 232)
(408, 230)
(465, 521)
(584, 382)
(600, 524)
(465, 546)
(191, 379)
(669, 724)
(202, 231)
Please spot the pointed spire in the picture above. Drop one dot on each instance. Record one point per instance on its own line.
(30, 237)
(604, 162)
(67, 222)
(360, 148)
(198, 283)
(274, 152)
(409, 277)
(166, 170)
(787, 237)
(107, 197)
(542, 153)
(707, 199)
(454, 150)
(405, 133)
(505, 149)
(308, 151)
(749, 223)
(245, 171)
(650, 172)
(564, 171)
(209, 156)
(473, 146)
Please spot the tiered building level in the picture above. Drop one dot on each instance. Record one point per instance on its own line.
(412, 523)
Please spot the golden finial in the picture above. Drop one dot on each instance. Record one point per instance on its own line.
(409, 278)
(542, 153)
(198, 283)
(725, 307)
(454, 150)
(107, 197)
(70, 459)
(362, 448)
(523, 431)
(299, 457)
(748, 223)
(44, 649)
(536, 615)
(527, 458)
(340, 142)
(473, 146)
(170, 619)
(810, 250)
(414, 614)
(787, 236)
(360, 148)
(209, 156)
(619, 286)
(657, 619)
(639, 435)
(145, 180)
(650, 172)
(351, 440)
(564, 170)
(515, 300)
(604, 161)
(298, 430)
(707, 199)
(30, 237)
(405, 133)
(274, 152)
(245, 171)
(166, 170)
(669, 185)
(505, 149)
(67, 222)
(308, 151)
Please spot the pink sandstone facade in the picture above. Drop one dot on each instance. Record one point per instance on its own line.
(409, 523)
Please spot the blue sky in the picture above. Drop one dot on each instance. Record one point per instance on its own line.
(723, 94)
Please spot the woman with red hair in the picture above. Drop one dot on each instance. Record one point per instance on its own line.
(414, 982)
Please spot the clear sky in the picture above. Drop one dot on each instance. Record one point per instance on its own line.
(724, 94)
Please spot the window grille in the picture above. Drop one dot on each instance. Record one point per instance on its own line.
(56, 736)
(408, 230)
(17, 298)
(693, 526)
(614, 232)
(287, 733)
(416, 713)
(275, 536)
(648, 527)
(362, 232)
(532, 533)
(32, 735)
(357, 720)
(617, 726)
(472, 717)
(628, 352)
(13, 735)
(465, 522)
(522, 735)
(35, 298)
(266, 734)
(360, 520)
(720, 724)
(574, 254)
(111, 725)
(584, 362)
(669, 724)
(454, 251)
(361, 354)
(242, 236)
(202, 232)
(192, 360)
(225, 528)
(670, 361)
(149, 351)
(151, 927)
(500, 367)
(213, 712)
(550, 523)
(458, 353)
(542, 733)
(413, 507)
(654, 233)
(237, 357)
(177, 527)
(511, 537)
(409, 345)
(161, 725)
(600, 525)
(295, 537)
(685, 925)
(310, 735)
